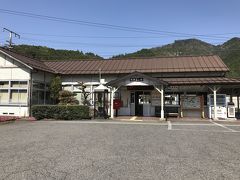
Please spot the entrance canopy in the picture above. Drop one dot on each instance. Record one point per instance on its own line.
(136, 79)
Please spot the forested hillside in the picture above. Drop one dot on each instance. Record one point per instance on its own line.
(228, 51)
(45, 53)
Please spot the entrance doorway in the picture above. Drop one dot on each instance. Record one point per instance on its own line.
(138, 104)
(141, 103)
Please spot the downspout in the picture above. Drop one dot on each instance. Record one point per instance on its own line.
(44, 95)
(30, 95)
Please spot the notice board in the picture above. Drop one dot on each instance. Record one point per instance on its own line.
(190, 102)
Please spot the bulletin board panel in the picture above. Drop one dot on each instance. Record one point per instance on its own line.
(191, 102)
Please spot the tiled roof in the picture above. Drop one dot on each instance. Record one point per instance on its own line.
(143, 65)
(37, 64)
(123, 66)
(202, 81)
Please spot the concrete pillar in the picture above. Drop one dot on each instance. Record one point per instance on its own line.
(91, 94)
(162, 103)
(161, 91)
(109, 103)
(112, 95)
(215, 102)
(238, 103)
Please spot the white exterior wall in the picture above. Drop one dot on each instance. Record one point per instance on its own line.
(11, 70)
(87, 78)
(8, 110)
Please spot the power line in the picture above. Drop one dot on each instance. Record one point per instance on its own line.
(80, 36)
(90, 44)
(98, 44)
(104, 25)
(115, 45)
(110, 37)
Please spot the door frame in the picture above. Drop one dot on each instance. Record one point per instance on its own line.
(136, 104)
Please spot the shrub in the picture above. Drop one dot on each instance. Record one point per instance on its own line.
(61, 112)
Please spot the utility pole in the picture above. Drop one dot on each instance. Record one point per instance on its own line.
(11, 33)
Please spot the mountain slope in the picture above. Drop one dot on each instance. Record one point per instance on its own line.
(179, 47)
(228, 51)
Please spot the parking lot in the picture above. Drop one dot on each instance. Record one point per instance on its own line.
(120, 150)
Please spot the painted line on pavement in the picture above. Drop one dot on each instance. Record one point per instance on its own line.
(133, 118)
(232, 130)
(104, 122)
(130, 120)
(232, 125)
(192, 130)
(193, 124)
(169, 125)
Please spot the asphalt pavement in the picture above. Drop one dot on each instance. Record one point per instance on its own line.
(119, 150)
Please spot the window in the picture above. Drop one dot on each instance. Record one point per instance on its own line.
(67, 88)
(48, 98)
(13, 92)
(40, 94)
(19, 84)
(171, 99)
(221, 100)
(144, 98)
(18, 96)
(35, 97)
(79, 97)
(132, 97)
(4, 96)
(41, 97)
(4, 84)
(38, 85)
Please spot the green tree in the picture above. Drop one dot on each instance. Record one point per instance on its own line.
(85, 94)
(67, 98)
(46, 53)
(55, 88)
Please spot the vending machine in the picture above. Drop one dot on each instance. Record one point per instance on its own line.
(221, 106)
(231, 110)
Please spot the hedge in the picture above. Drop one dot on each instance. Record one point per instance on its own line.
(61, 112)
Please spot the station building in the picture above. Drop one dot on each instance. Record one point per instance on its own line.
(183, 86)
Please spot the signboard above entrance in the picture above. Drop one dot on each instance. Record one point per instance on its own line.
(136, 79)
(138, 88)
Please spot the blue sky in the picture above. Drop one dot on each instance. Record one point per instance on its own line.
(205, 17)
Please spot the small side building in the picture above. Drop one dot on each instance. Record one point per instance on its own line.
(23, 82)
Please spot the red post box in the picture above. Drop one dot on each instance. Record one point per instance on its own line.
(117, 103)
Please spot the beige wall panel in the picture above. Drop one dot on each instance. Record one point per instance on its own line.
(20, 73)
(2, 60)
(14, 111)
(5, 73)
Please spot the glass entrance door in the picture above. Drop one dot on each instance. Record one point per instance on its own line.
(142, 103)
